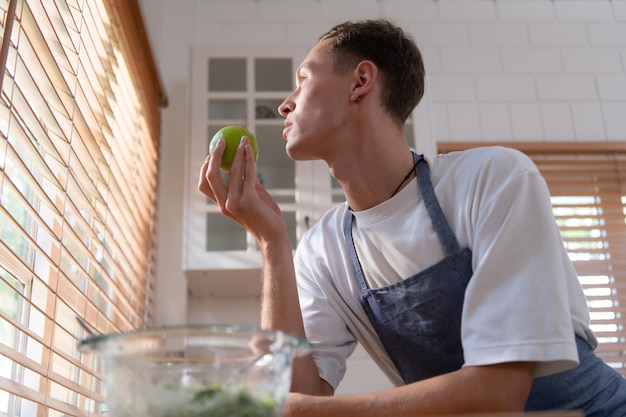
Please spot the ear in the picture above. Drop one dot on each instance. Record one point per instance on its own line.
(365, 76)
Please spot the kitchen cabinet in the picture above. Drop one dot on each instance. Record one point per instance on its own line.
(244, 85)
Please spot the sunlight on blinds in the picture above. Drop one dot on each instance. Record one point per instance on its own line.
(78, 160)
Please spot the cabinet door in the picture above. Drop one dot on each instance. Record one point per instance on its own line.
(239, 86)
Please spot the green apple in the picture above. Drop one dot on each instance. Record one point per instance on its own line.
(232, 136)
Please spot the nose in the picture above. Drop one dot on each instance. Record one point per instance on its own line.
(286, 107)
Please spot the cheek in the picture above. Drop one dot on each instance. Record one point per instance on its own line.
(324, 109)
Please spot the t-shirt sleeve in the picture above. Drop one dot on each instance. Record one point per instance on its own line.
(331, 340)
(517, 305)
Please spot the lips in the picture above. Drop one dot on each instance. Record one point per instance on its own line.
(286, 129)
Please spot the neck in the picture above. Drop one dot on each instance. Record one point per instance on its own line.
(376, 181)
(405, 180)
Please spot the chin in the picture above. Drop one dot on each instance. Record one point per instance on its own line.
(300, 149)
(295, 155)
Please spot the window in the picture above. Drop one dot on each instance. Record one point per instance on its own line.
(587, 183)
(78, 178)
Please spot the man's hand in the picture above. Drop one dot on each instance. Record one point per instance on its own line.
(243, 199)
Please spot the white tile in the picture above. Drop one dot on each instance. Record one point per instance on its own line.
(619, 9)
(432, 61)
(466, 10)
(584, 10)
(272, 33)
(424, 10)
(557, 121)
(495, 121)
(506, 88)
(612, 87)
(558, 34)
(451, 87)
(441, 125)
(566, 87)
(588, 121)
(524, 10)
(464, 122)
(225, 10)
(526, 121)
(306, 33)
(498, 34)
(580, 61)
(442, 34)
(208, 32)
(615, 119)
(349, 10)
(471, 60)
(280, 10)
(607, 34)
(527, 60)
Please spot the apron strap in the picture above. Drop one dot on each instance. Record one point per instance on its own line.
(356, 264)
(447, 238)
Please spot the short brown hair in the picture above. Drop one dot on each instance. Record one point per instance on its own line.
(392, 50)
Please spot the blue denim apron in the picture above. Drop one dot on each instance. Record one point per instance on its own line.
(418, 321)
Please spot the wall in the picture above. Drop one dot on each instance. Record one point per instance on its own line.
(503, 70)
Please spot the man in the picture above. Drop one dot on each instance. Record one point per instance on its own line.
(450, 271)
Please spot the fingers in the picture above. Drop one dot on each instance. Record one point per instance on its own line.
(203, 183)
(211, 182)
(242, 175)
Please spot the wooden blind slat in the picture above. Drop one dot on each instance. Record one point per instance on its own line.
(78, 190)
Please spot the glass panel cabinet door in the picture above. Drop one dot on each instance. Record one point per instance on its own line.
(239, 86)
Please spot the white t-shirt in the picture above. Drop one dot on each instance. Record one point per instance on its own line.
(523, 302)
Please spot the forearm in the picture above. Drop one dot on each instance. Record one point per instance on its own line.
(495, 388)
(280, 310)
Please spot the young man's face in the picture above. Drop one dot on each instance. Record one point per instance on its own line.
(316, 112)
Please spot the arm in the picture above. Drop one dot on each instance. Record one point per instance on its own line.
(246, 201)
(493, 388)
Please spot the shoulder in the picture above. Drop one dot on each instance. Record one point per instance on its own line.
(323, 231)
(498, 158)
(492, 164)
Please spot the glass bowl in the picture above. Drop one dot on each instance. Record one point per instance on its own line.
(196, 371)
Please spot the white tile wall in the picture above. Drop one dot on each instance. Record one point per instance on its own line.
(467, 10)
(619, 9)
(611, 34)
(525, 11)
(584, 10)
(532, 61)
(567, 87)
(614, 120)
(498, 70)
(505, 88)
(557, 122)
(557, 34)
(504, 35)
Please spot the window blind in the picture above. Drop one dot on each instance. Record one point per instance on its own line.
(587, 182)
(79, 135)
